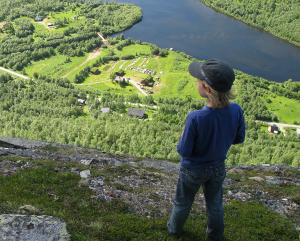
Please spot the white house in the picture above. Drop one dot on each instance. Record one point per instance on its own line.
(105, 110)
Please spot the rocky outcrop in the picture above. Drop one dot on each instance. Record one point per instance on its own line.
(148, 186)
(30, 227)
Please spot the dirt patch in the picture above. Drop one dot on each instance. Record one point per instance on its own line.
(2, 24)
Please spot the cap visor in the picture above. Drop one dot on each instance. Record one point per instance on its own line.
(195, 70)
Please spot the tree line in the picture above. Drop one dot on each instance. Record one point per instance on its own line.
(279, 17)
(48, 109)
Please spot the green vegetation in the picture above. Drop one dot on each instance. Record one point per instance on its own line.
(169, 72)
(56, 66)
(72, 33)
(26, 107)
(279, 17)
(59, 194)
(287, 110)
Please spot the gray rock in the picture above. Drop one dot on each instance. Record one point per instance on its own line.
(85, 174)
(28, 228)
(241, 196)
(274, 180)
(86, 162)
(235, 170)
(257, 179)
(28, 209)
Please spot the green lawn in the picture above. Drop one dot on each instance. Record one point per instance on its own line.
(56, 66)
(135, 49)
(287, 110)
(72, 18)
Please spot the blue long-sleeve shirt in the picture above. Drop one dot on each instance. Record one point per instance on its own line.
(209, 133)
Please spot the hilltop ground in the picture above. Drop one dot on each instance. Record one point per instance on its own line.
(128, 199)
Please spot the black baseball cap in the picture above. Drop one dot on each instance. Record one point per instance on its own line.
(215, 73)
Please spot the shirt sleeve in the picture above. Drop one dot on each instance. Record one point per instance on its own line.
(187, 139)
(240, 135)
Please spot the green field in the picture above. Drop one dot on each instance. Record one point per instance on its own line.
(135, 49)
(55, 66)
(287, 110)
(170, 72)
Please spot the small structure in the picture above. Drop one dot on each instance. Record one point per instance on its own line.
(95, 71)
(273, 129)
(298, 132)
(136, 113)
(51, 25)
(105, 110)
(81, 101)
(120, 79)
(39, 18)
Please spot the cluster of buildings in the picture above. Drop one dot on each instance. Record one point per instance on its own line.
(274, 129)
(39, 18)
(143, 71)
(134, 112)
(120, 79)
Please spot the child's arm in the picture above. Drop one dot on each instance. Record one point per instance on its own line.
(186, 142)
(240, 135)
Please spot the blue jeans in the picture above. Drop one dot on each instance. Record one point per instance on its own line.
(211, 179)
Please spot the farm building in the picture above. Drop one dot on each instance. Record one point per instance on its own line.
(136, 113)
(51, 25)
(274, 129)
(121, 79)
(39, 18)
(95, 71)
(81, 101)
(105, 110)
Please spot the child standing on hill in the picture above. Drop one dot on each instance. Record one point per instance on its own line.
(203, 146)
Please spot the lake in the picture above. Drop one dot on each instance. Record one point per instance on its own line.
(191, 27)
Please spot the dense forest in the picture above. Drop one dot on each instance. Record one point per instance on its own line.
(48, 109)
(20, 44)
(279, 17)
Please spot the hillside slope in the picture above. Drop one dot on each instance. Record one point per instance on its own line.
(121, 198)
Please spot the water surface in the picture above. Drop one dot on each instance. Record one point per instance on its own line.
(191, 27)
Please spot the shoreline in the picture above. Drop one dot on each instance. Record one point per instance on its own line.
(219, 10)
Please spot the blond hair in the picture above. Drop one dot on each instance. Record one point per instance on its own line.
(219, 99)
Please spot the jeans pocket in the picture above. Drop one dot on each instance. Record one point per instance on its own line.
(220, 171)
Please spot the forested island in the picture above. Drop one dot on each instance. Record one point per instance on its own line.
(279, 17)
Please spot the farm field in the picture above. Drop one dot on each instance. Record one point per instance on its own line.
(287, 110)
(170, 73)
(56, 66)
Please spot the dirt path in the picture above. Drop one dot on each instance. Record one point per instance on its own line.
(91, 56)
(280, 125)
(94, 83)
(2, 24)
(15, 73)
(138, 87)
(105, 41)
